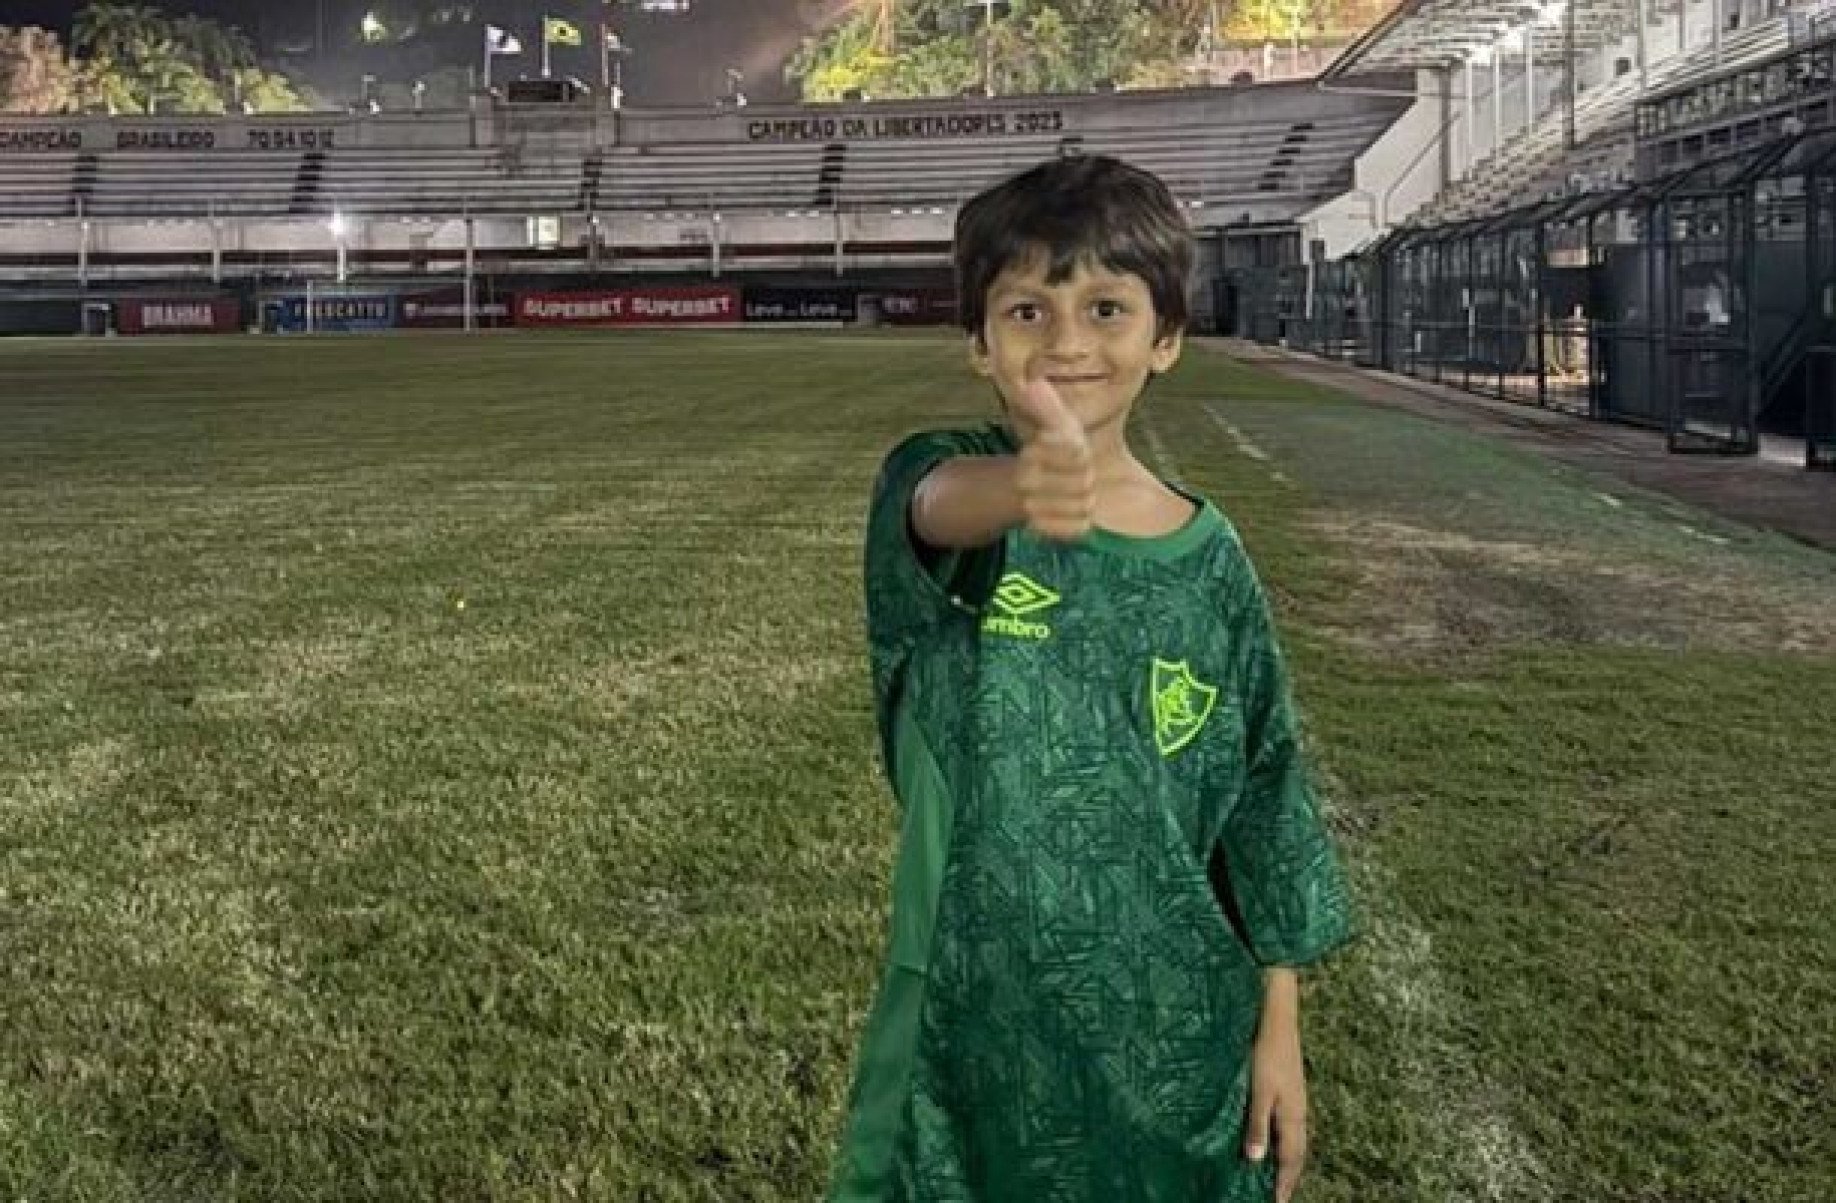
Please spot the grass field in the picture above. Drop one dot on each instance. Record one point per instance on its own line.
(442, 769)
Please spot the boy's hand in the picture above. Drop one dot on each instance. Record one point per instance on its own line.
(1278, 1101)
(1056, 481)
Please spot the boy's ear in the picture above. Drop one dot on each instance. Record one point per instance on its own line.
(1166, 351)
(979, 358)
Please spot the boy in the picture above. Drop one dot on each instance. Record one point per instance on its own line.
(1110, 862)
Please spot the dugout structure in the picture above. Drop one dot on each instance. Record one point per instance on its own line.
(1701, 304)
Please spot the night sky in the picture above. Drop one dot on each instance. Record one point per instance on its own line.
(675, 59)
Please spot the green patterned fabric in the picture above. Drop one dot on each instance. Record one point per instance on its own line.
(1108, 833)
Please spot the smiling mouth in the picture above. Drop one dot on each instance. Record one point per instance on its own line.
(1077, 379)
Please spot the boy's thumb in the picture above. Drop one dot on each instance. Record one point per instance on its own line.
(1040, 404)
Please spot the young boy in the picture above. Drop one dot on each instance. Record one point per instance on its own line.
(1111, 862)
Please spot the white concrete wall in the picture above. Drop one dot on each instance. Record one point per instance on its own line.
(1399, 173)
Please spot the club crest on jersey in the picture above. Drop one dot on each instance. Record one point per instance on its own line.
(1017, 597)
(1182, 703)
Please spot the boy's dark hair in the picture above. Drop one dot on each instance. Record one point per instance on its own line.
(1091, 209)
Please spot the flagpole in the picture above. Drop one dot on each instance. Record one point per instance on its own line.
(544, 47)
(488, 57)
(605, 62)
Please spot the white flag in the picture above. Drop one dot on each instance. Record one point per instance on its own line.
(501, 41)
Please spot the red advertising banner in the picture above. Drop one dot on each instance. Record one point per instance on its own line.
(178, 315)
(658, 304)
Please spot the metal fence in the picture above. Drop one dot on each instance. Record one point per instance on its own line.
(1702, 304)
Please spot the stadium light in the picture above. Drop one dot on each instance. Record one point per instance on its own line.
(373, 28)
(339, 225)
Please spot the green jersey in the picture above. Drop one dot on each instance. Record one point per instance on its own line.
(1107, 834)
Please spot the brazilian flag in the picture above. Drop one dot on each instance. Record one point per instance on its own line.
(557, 32)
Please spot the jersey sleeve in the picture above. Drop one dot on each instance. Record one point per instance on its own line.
(1286, 889)
(911, 591)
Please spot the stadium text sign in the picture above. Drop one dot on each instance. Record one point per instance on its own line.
(42, 140)
(661, 305)
(39, 141)
(909, 126)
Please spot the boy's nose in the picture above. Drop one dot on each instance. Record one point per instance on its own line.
(1068, 340)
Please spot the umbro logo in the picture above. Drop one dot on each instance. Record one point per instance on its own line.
(1017, 597)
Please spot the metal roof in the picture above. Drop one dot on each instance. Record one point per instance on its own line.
(1445, 33)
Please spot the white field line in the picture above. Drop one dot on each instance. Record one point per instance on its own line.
(1476, 1153)
(1244, 445)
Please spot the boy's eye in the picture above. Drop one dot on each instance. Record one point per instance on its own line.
(1108, 308)
(1025, 311)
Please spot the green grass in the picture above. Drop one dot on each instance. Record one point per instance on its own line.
(316, 885)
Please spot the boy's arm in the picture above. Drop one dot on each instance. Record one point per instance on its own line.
(1280, 999)
(968, 502)
(1050, 487)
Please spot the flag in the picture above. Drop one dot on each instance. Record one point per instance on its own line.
(556, 32)
(501, 41)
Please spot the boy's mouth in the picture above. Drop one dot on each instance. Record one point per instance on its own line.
(1077, 379)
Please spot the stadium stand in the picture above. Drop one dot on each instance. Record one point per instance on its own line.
(1307, 157)
(223, 184)
(1536, 163)
(441, 182)
(714, 176)
(39, 186)
(1301, 159)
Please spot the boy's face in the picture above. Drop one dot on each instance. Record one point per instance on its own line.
(1094, 335)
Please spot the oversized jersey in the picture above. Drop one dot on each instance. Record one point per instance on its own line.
(1107, 834)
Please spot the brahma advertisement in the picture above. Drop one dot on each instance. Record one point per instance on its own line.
(178, 315)
(643, 305)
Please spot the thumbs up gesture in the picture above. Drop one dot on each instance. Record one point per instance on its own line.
(1056, 480)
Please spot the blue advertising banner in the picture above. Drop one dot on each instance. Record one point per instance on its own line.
(334, 314)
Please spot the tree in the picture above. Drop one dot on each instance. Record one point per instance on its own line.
(138, 60)
(36, 76)
(118, 33)
(254, 90)
(1036, 45)
(1274, 20)
(218, 51)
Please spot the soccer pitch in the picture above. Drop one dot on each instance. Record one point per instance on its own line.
(442, 768)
